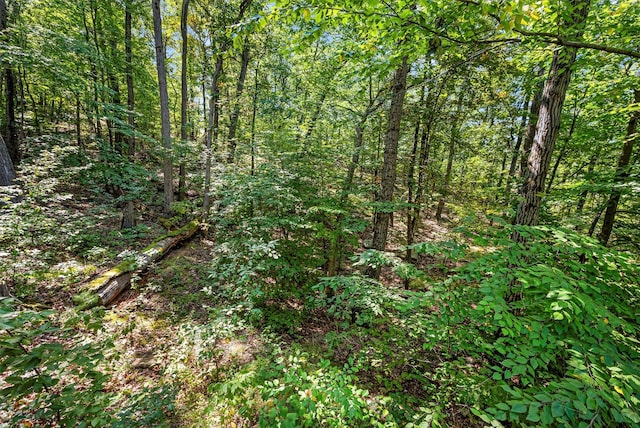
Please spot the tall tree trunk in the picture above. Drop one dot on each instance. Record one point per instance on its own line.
(11, 130)
(554, 93)
(94, 78)
(164, 107)
(565, 147)
(128, 211)
(516, 150)
(455, 135)
(184, 96)
(254, 112)
(385, 197)
(235, 114)
(622, 173)
(534, 113)
(414, 212)
(411, 179)
(212, 131)
(129, 77)
(114, 85)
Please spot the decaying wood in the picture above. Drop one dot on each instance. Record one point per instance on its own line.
(103, 289)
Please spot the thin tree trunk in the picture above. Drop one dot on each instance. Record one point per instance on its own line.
(411, 181)
(622, 173)
(184, 96)
(129, 77)
(413, 214)
(314, 120)
(548, 125)
(516, 149)
(214, 110)
(254, 111)
(119, 138)
(164, 107)
(212, 132)
(94, 78)
(233, 120)
(563, 152)
(583, 196)
(382, 213)
(455, 133)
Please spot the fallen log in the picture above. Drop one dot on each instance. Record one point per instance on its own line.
(107, 286)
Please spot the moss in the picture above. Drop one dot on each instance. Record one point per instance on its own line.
(86, 300)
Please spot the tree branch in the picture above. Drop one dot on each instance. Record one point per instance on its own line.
(561, 41)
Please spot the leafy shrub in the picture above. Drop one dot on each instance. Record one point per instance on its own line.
(555, 321)
(292, 392)
(52, 374)
(47, 380)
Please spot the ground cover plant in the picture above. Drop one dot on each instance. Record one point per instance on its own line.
(319, 214)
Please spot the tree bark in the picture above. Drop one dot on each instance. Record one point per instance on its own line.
(184, 96)
(129, 77)
(455, 134)
(235, 114)
(382, 213)
(622, 173)
(212, 131)
(7, 172)
(548, 124)
(164, 107)
(11, 130)
(516, 148)
(534, 113)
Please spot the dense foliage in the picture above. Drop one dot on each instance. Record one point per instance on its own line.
(411, 214)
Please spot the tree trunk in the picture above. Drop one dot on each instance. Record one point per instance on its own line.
(212, 131)
(11, 131)
(233, 120)
(530, 133)
(7, 173)
(565, 147)
(413, 213)
(455, 134)
(129, 77)
(107, 286)
(516, 149)
(184, 96)
(385, 197)
(548, 124)
(622, 173)
(254, 112)
(164, 107)
(583, 196)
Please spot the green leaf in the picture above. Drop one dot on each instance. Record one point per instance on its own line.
(519, 408)
(557, 409)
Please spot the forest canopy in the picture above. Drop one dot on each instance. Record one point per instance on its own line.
(304, 213)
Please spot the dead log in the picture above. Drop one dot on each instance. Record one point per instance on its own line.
(106, 287)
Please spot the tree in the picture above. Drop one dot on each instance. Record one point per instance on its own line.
(11, 128)
(622, 171)
(184, 94)
(167, 165)
(548, 123)
(383, 209)
(7, 173)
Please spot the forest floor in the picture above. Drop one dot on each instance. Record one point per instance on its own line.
(171, 327)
